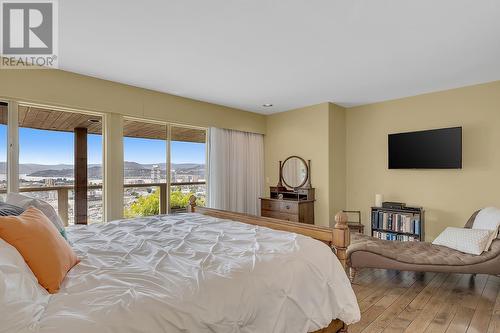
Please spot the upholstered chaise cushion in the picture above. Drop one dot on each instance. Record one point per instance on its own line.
(419, 253)
(366, 251)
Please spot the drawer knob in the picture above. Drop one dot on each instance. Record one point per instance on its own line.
(287, 207)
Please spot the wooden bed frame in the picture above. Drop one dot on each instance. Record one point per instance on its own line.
(338, 237)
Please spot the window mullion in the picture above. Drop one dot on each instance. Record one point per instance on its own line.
(13, 147)
(168, 169)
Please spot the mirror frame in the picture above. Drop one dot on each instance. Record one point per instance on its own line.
(283, 178)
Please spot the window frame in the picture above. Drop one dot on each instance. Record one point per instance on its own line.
(168, 127)
(12, 142)
(10, 145)
(206, 130)
(14, 148)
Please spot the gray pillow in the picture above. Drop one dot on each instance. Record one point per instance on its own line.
(24, 201)
(10, 210)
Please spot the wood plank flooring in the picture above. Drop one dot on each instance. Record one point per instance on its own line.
(393, 301)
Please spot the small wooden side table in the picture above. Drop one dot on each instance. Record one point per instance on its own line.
(355, 226)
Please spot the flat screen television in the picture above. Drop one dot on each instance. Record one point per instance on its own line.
(432, 149)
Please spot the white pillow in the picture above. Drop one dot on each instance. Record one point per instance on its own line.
(22, 299)
(488, 219)
(24, 201)
(471, 241)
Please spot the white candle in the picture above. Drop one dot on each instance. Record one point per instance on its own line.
(378, 200)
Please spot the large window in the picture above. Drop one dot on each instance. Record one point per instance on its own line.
(147, 177)
(95, 178)
(61, 162)
(3, 149)
(47, 156)
(145, 168)
(188, 166)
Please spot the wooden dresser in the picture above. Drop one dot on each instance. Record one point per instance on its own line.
(288, 210)
(292, 199)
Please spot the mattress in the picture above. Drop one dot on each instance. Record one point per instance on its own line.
(192, 273)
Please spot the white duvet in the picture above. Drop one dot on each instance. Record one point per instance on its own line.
(184, 273)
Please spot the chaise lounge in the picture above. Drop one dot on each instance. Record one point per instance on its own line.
(366, 251)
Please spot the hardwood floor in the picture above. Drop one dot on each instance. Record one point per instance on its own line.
(392, 301)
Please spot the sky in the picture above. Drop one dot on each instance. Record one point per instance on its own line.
(51, 147)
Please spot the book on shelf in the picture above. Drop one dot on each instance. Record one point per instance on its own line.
(394, 237)
(397, 222)
(401, 225)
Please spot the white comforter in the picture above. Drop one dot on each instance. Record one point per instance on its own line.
(193, 273)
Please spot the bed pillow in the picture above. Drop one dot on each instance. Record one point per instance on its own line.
(47, 254)
(24, 201)
(473, 241)
(9, 210)
(21, 297)
(489, 219)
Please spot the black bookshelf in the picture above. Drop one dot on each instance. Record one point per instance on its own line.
(398, 224)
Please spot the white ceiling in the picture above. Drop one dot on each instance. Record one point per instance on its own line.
(244, 53)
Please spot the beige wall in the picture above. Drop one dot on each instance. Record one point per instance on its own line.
(448, 196)
(315, 133)
(337, 155)
(348, 148)
(302, 132)
(69, 90)
(65, 89)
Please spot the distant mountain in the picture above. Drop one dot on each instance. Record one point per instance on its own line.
(131, 169)
(182, 166)
(186, 169)
(133, 166)
(52, 173)
(92, 172)
(30, 168)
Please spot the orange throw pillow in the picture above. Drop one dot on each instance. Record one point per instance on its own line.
(43, 248)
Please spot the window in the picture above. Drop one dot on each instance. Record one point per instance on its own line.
(94, 174)
(146, 175)
(47, 156)
(145, 168)
(3, 149)
(187, 166)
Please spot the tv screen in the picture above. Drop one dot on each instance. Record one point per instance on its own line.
(433, 149)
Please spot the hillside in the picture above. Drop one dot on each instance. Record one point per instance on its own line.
(131, 169)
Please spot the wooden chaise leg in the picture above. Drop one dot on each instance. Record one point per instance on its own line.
(352, 274)
(343, 329)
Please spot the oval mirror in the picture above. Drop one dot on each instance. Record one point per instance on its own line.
(294, 172)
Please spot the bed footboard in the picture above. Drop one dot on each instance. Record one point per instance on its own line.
(336, 326)
(338, 237)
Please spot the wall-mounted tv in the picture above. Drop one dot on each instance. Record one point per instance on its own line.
(432, 149)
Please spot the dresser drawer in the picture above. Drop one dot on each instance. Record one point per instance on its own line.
(280, 216)
(269, 213)
(289, 217)
(270, 205)
(289, 207)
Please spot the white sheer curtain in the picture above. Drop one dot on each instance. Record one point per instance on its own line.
(236, 170)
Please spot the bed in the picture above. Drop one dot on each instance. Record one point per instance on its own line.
(192, 272)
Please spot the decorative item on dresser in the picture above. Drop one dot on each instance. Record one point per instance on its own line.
(395, 221)
(292, 199)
